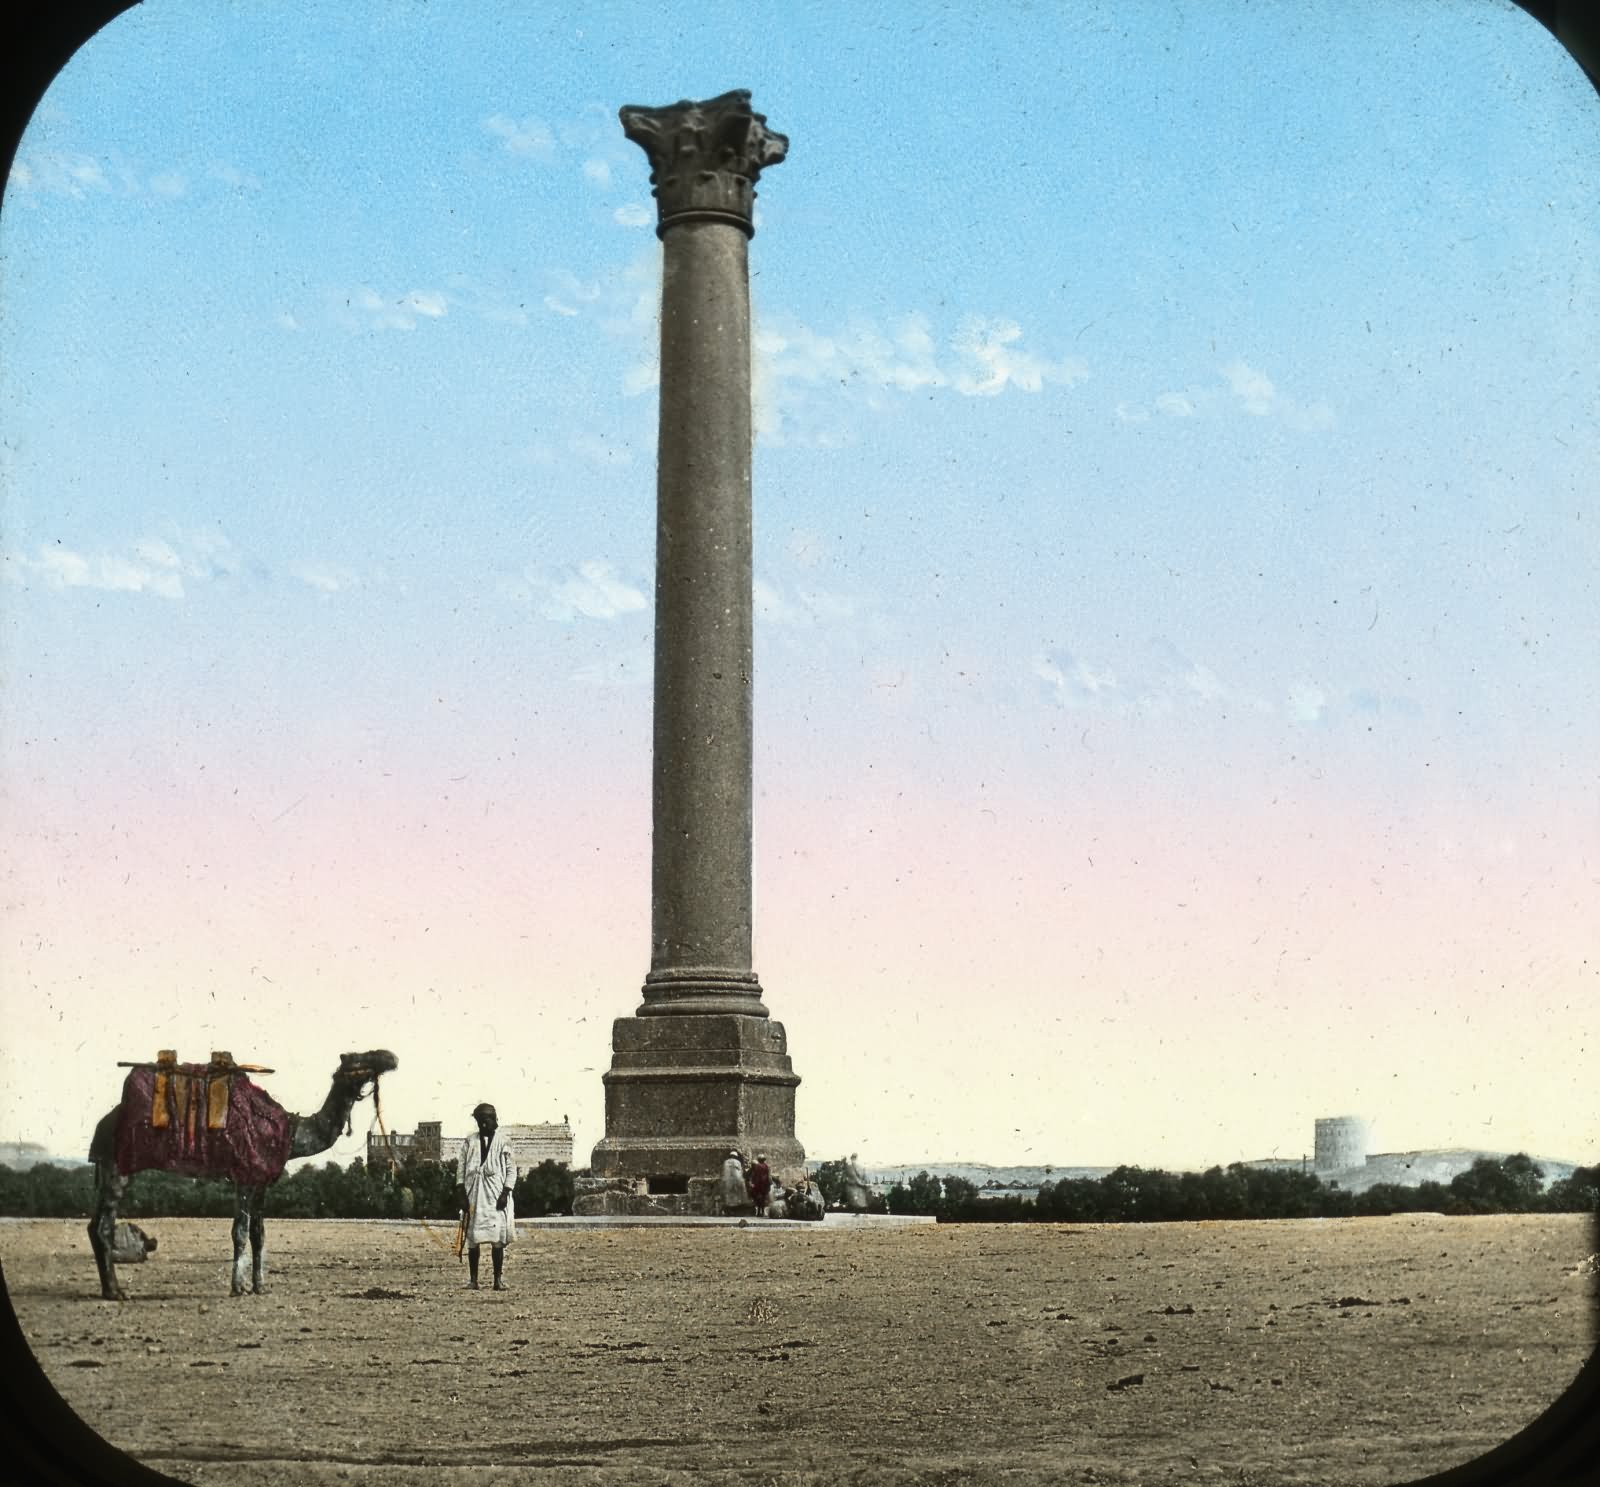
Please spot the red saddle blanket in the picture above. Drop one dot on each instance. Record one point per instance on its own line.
(247, 1141)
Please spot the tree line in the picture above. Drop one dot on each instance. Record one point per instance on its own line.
(424, 1190)
(1513, 1184)
(416, 1189)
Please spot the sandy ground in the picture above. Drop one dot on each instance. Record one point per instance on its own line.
(1340, 1352)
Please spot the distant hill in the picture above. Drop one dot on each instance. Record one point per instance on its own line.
(1411, 1169)
(1403, 1168)
(22, 1156)
(984, 1174)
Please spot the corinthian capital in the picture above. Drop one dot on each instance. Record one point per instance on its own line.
(705, 157)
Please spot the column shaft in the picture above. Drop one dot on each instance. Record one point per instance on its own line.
(701, 798)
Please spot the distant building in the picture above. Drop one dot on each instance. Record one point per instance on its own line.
(530, 1144)
(1341, 1144)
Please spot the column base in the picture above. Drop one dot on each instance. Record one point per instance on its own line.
(684, 1091)
(693, 990)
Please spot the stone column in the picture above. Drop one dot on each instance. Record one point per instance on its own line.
(705, 159)
(701, 1068)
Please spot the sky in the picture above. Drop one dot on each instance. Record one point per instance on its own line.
(1175, 548)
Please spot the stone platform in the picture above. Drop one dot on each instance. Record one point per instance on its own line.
(833, 1223)
(684, 1090)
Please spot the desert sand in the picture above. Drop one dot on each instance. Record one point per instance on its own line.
(1348, 1352)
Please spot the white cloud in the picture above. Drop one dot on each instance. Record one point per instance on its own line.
(367, 309)
(1203, 682)
(1257, 395)
(1367, 700)
(1075, 683)
(63, 568)
(161, 554)
(801, 608)
(571, 293)
(599, 451)
(904, 359)
(326, 579)
(595, 128)
(1318, 415)
(632, 214)
(70, 173)
(1306, 702)
(427, 302)
(1178, 677)
(1160, 684)
(787, 352)
(641, 377)
(991, 346)
(1253, 389)
(798, 369)
(490, 302)
(632, 668)
(827, 605)
(377, 313)
(771, 608)
(597, 171)
(529, 138)
(58, 173)
(208, 554)
(1246, 389)
(153, 565)
(633, 314)
(231, 175)
(594, 591)
(87, 172)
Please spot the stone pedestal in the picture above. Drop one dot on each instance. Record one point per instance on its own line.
(682, 1092)
(701, 1069)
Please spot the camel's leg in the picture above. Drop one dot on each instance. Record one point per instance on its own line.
(241, 1235)
(110, 1185)
(258, 1240)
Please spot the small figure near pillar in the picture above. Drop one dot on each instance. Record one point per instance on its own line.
(804, 1202)
(857, 1190)
(734, 1192)
(487, 1175)
(760, 1184)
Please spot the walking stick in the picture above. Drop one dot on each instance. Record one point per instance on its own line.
(461, 1235)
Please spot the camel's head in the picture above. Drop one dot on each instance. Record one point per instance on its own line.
(358, 1069)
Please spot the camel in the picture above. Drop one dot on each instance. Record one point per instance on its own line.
(210, 1120)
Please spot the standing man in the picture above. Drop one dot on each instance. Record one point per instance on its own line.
(487, 1175)
(857, 1191)
(760, 1184)
(735, 1194)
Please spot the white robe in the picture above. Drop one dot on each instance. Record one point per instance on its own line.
(484, 1180)
(733, 1192)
